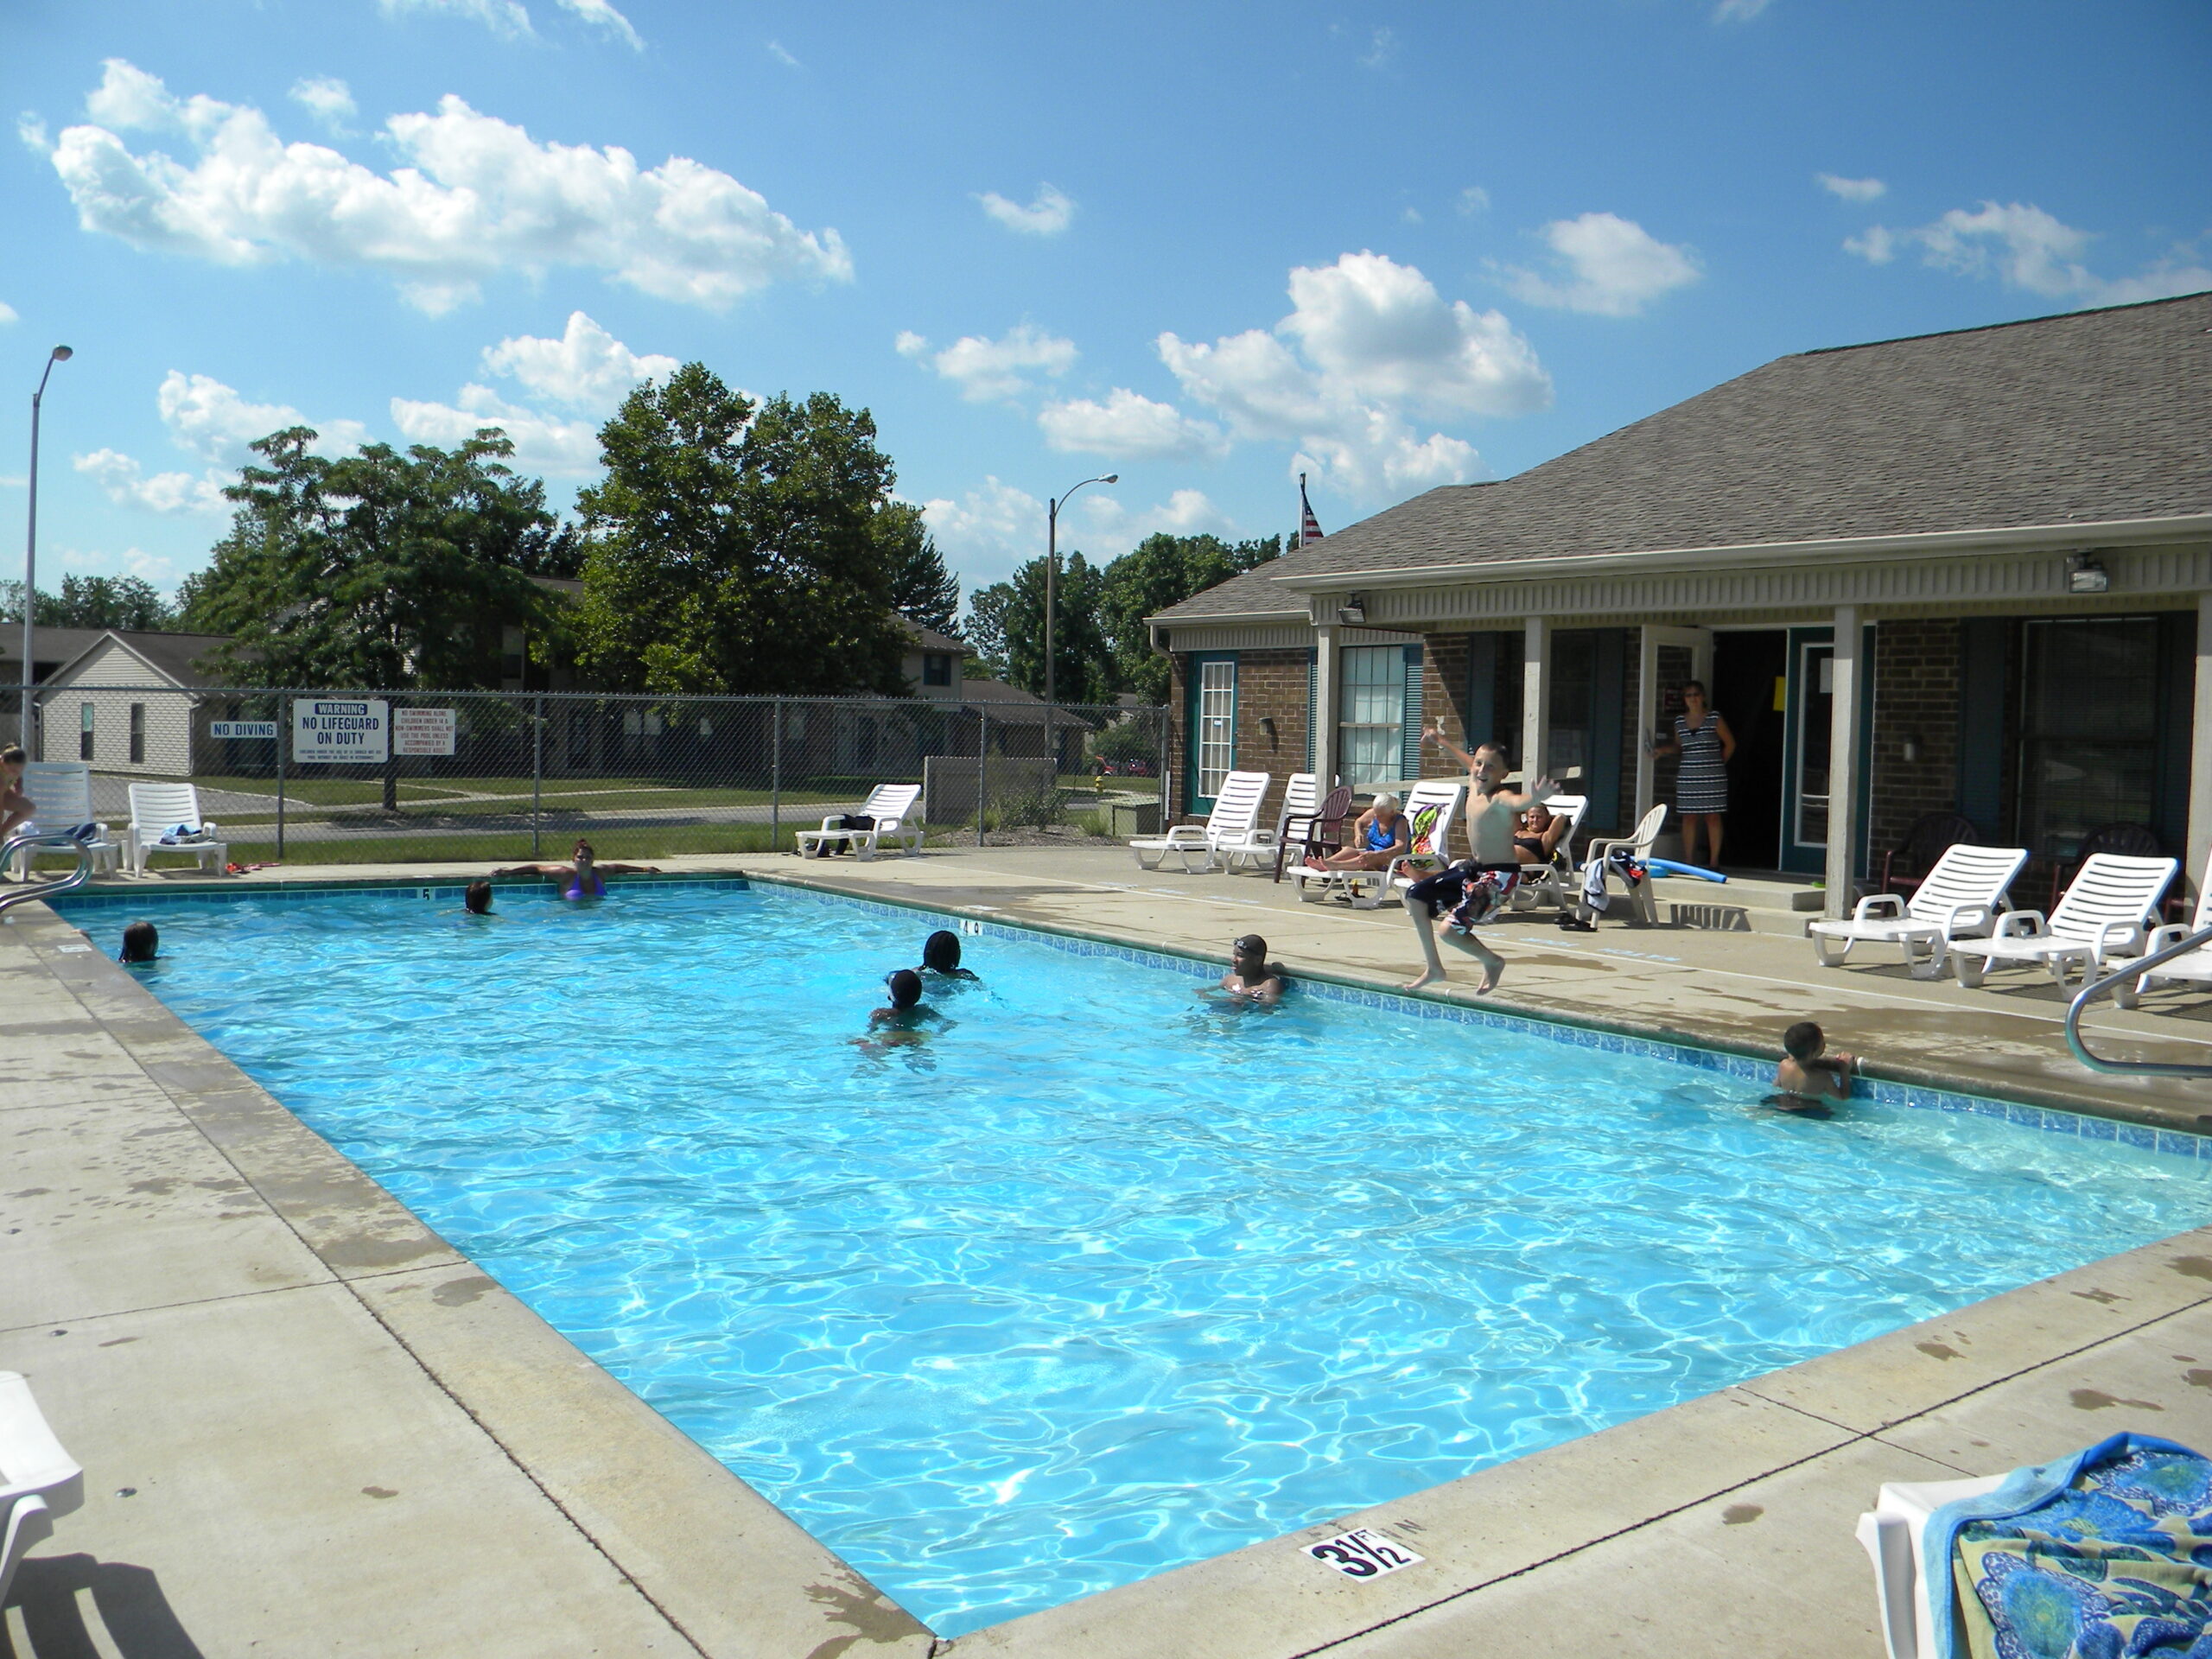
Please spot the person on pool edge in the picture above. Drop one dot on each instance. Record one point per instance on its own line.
(941, 955)
(580, 877)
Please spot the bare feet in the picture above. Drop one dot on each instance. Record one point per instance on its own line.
(1490, 983)
(1426, 978)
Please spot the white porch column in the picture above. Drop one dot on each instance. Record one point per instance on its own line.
(1326, 667)
(1647, 702)
(2200, 752)
(1535, 699)
(1843, 760)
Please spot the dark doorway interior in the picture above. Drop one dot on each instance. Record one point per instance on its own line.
(1747, 674)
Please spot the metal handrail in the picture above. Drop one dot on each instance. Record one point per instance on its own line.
(2097, 987)
(75, 878)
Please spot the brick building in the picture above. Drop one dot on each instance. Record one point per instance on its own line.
(1967, 572)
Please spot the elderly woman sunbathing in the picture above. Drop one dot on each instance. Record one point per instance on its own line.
(1381, 834)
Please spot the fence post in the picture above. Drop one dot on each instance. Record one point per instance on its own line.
(537, 769)
(776, 777)
(1165, 733)
(983, 752)
(283, 738)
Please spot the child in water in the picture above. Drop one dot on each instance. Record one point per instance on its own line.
(142, 942)
(476, 898)
(1252, 980)
(1806, 1075)
(941, 955)
(906, 1022)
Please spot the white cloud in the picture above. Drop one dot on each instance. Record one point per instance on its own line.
(2025, 247)
(1738, 11)
(210, 421)
(476, 196)
(1410, 215)
(326, 98)
(125, 482)
(505, 17)
(543, 443)
(1382, 46)
(1603, 263)
(776, 51)
(1851, 189)
(601, 15)
(1047, 214)
(985, 368)
(1127, 427)
(586, 368)
(1377, 342)
(1474, 199)
(32, 131)
(128, 97)
(1114, 529)
(988, 531)
(7, 314)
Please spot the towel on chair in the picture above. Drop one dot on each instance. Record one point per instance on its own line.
(2104, 1553)
(181, 834)
(1620, 862)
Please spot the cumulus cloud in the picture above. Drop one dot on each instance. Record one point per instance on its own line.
(1128, 427)
(1113, 529)
(2025, 247)
(544, 442)
(988, 531)
(1374, 341)
(476, 196)
(214, 424)
(1851, 189)
(7, 314)
(586, 368)
(326, 98)
(1382, 47)
(1603, 263)
(1047, 214)
(1474, 199)
(506, 17)
(985, 368)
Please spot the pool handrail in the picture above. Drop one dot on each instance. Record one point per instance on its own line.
(2096, 988)
(76, 878)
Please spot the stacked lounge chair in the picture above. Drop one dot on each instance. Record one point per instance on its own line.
(1234, 823)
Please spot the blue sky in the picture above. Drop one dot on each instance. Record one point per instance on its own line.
(1393, 246)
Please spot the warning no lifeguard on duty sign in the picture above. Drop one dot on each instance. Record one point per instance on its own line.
(339, 729)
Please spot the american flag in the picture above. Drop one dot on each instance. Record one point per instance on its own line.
(1309, 527)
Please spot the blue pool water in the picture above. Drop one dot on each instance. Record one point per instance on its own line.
(1098, 1281)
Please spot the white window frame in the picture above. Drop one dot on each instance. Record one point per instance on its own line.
(1216, 724)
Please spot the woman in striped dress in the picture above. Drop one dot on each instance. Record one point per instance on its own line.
(1707, 745)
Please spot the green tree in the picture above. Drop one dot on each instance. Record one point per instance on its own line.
(379, 570)
(1160, 571)
(1007, 623)
(734, 548)
(126, 602)
(921, 589)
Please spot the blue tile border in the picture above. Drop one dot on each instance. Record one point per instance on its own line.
(2050, 1120)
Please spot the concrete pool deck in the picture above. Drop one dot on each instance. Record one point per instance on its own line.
(337, 1437)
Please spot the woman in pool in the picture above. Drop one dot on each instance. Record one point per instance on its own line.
(580, 877)
(941, 957)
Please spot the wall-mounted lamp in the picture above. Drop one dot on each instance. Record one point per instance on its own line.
(1354, 609)
(2084, 575)
(1913, 748)
(1267, 725)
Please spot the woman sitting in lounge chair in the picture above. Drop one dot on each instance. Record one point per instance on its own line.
(1380, 836)
(1538, 832)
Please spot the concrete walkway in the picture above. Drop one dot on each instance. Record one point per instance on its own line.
(310, 1429)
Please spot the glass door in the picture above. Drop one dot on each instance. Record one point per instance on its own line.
(1213, 745)
(1811, 729)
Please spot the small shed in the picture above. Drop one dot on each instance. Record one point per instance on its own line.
(129, 702)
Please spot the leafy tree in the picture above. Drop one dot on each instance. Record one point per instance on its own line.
(1007, 623)
(1160, 571)
(736, 548)
(921, 589)
(379, 570)
(126, 602)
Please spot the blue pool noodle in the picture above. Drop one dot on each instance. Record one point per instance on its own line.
(1667, 867)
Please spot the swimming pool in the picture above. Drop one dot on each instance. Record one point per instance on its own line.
(1098, 1281)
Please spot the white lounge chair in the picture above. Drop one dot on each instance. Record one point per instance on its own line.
(1891, 1533)
(2111, 903)
(61, 793)
(1301, 794)
(155, 809)
(1427, 851)
(1557, 879)
(1958, 898)
(2194, 969)
(891, 806)
(1235, 813)
(1639, 841)
(38, 1479)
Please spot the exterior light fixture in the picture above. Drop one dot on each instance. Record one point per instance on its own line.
(2084, 575)
(1354, 609)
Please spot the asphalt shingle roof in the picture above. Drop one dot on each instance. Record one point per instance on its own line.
(2089, 417)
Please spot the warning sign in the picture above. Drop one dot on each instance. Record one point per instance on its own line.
(421, 731)
(332, 731)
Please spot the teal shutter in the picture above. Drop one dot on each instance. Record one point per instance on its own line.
(1482, 690)
(1985, 642)
(2176, 714)
(1601, 774)
(1312, 691)
(1409, 761)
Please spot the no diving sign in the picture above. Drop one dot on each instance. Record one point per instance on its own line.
(350, 730)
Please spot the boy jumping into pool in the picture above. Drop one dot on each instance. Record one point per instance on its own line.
(580, 877)
(1474, 888)
(1808, 1074)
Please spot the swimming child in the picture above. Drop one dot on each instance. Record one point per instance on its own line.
(477, 897)
(906, 1022)
(142, 942)
(1808, 1074)
(1252, 980)
(580, 877)
(941, 955)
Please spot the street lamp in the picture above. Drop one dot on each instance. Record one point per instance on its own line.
(1051, 564)
(58, 355)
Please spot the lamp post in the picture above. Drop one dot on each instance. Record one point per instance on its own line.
(58, 355)
(1051, 565)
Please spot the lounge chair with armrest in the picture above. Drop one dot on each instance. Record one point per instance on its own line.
(1431, 809)
(891, 806)
(38, 1479)
(2106, 912)
(1236, 815)
(156, 810)
(2194, 969)
(1958, 898)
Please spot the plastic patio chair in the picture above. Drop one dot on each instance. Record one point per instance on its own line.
(38, 1479)
(1905, 865)
(1319, 832)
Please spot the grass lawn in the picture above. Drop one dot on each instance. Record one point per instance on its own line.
(510, 792)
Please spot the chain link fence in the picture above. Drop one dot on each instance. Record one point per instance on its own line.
(324, 777)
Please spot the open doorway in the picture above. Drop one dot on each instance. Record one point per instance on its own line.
(1749, 671)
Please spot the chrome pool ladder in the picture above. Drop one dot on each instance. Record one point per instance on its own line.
(2096, 987)
(60, 838)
